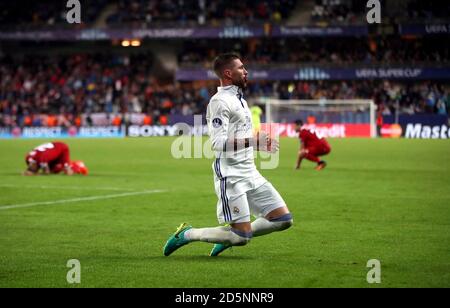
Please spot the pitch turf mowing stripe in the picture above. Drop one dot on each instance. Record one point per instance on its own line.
(93, 198)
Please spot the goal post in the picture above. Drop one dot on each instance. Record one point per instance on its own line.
(356, 116)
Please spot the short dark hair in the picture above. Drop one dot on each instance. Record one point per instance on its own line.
(299, 122)
(222, 61)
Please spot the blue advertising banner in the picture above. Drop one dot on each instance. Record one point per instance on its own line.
(60, 132)
(320, 31)
(167, 33)
(419, 126)
(425, 119)
(186, 33)
(215, 32)
(442, 29)
(315, 73)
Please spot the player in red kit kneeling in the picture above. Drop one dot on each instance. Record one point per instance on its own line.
(53, 158)
(312, 146)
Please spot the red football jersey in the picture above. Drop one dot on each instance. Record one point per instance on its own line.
(55, 153)
(310, 138)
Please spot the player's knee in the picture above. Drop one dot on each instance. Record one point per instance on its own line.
(284, 225)
(284, 222)
(287, 224)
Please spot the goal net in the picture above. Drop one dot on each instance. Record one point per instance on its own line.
(331, 118)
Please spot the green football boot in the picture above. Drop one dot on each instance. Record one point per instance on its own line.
(177, 240)
(218, 248)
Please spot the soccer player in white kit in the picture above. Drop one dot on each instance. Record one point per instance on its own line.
(241, 190)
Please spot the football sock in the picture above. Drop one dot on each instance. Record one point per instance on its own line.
(312, 158)
(218, 235)
(262, 226)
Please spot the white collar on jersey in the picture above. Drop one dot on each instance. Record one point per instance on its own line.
(233, 89)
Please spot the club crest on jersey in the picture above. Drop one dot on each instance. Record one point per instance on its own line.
(217, 123)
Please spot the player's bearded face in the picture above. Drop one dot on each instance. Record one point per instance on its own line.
(239, 74)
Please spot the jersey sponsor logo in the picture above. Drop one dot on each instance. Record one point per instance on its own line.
(217, 123)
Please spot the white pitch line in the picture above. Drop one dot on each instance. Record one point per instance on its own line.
(66, 187)
(93, 198)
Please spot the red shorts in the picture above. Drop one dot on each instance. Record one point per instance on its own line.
(319, 149)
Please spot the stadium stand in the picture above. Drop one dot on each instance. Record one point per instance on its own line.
(44, 13)
(141, 13)
(353, 51)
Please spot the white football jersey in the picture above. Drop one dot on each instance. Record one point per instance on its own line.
(229, 117)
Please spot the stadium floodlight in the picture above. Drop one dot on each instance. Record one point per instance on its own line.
(356, 113)
(135, 43)
(132, 43)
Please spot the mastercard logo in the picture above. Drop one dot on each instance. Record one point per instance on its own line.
(16, 132)
(391, 131)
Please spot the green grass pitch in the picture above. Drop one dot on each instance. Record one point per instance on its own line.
(378, 199)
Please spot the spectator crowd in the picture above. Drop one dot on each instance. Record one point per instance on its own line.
(151, 13)
(404, 11)
(145, 13)
(346, 51)
(25, 14)
(66, 87)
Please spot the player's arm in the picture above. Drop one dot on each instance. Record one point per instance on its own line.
(65, 161)
(218, 119)
(263, 142)
(302, 151)
(45, 168)
(68, 170)
(219, 116)
(300, 155)
(32, 169)
(260, 142)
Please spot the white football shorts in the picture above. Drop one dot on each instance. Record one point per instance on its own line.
(234, 207)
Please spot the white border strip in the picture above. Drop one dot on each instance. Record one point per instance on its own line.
(93, 198)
